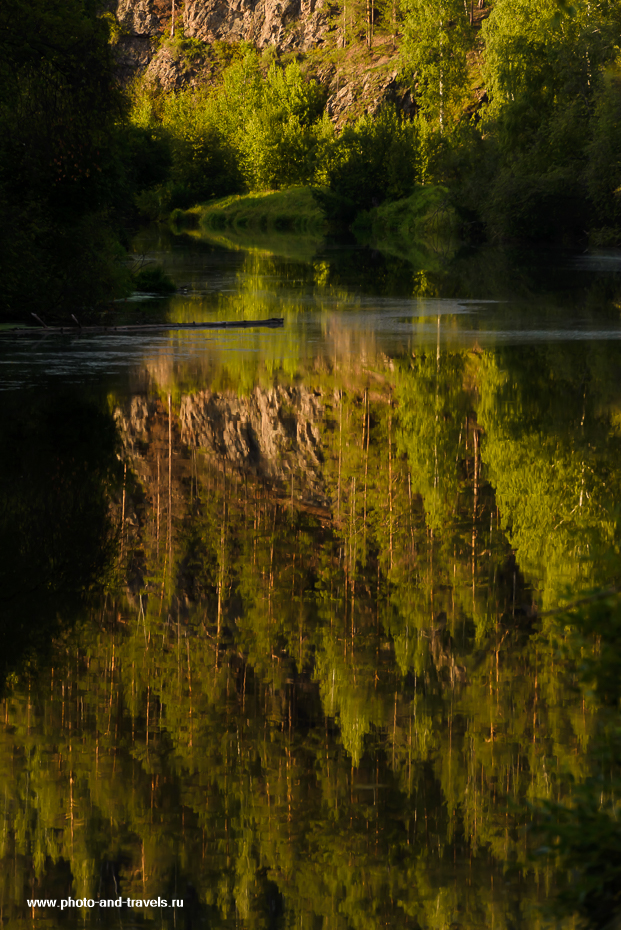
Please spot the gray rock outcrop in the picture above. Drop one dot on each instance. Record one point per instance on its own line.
(138, 17)
(283, 23)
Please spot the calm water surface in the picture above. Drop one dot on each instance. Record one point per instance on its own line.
(279, 616)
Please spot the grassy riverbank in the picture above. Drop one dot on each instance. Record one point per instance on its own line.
(426, 212)
(294, 209)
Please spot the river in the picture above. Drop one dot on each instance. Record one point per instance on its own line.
(280, 629)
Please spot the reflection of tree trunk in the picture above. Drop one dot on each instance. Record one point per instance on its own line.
(123, 510)
(431, 570)
(187, 646)
(475, 437)
(410, 513)
(366, 470)
(370, 18)
(352, 555)
(441, 77)
(582, 432)
(157, 532)
(221, 568)
(338, 492)
(169, 481)
(394, 734)
(390, 482)
(476, 473)
(436, 478)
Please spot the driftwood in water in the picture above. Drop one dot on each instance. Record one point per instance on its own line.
(137, 328)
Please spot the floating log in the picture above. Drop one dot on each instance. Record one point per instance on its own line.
(137, 328)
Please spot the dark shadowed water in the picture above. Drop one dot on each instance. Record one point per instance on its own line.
(280, 635)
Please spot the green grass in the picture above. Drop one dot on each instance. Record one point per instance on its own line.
(294, 209)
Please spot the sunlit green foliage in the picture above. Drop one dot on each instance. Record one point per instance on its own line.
(254, 131)
(544, 73)
(558, 497)
(262, 131)
(438, 37)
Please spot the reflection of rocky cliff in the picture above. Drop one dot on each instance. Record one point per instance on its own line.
(272, 434)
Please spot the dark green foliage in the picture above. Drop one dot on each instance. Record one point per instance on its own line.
(57, 467)
(585, 834)
(61, 171)
(551, 119)
(588, 840)
(547, 206)
(337, 209)
(601, 671)
(153, 280)
(373, 161)
(603, 172)
(146, 156)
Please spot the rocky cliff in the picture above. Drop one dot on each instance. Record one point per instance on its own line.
(280, 23)
(359, 80)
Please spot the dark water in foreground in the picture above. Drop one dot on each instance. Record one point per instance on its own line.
(279, 632)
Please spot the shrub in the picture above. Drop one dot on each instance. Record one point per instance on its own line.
(603, 170)
(375, 160)
(154, 280)
(536, 207)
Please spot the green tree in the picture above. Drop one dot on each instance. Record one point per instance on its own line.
(60, 171)
(437, 39)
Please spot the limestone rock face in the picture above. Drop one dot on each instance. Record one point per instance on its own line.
(284, 23)
(132, 55)
(138, 17)
(172, 73)
(366, 94)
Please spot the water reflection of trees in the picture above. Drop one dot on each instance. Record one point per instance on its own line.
(319, 697)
